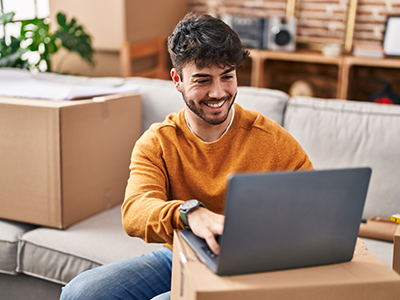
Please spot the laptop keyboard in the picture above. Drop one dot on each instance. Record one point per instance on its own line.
(210, 254)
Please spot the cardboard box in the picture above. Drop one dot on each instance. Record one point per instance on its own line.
(63, 161)
(365, 277)
(396, 250)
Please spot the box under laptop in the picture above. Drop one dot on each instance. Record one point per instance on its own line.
(285, 220)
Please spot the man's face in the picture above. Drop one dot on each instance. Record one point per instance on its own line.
(208, 93)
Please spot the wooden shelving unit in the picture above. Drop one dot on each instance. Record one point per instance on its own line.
(391, 67)
(262, 67)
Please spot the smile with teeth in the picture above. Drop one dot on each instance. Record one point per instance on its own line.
(215, 104)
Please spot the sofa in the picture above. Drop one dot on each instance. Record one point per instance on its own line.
(35, 262)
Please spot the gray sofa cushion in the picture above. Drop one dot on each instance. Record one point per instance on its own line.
(59, 255)
(9, 232)
(160, 98)
(362, 134)
(271, 103)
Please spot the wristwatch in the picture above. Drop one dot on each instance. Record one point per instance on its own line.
(186, 207)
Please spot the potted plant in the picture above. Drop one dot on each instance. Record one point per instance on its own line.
(36, 41)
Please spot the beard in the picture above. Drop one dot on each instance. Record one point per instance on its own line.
(212, 119)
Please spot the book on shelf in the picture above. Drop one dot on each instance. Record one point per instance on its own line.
(368, 50)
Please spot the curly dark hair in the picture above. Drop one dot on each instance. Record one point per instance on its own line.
(206, 41)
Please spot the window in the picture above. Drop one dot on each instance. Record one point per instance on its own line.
(24, 10)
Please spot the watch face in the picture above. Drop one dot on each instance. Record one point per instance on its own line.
(189, 204)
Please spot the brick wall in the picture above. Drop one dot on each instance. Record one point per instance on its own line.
(319, 20)
(371, 19)
(254, 8)
(322, 21)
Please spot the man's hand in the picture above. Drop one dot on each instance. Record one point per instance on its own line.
(206, 224)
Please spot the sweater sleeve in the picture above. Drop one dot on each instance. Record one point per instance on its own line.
(146, 212)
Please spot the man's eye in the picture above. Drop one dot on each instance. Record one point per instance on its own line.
(228, 77)
(203, 81)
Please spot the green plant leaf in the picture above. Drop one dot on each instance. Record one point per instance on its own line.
(6, 18)
(74, 38)
(14, 60)
(36, 37)
(62, 20)
(36, 33)
(10, 55)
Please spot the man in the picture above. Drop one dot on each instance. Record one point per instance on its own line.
(188, 157)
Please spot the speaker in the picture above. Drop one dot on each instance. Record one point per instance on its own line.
(250, 30)
(280, 34)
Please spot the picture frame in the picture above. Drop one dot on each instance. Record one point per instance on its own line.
(312, 43)
(391, 37)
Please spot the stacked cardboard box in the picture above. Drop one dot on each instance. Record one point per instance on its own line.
(62, 161)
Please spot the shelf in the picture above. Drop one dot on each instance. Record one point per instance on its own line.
(372, 62)
(263, 60)
(352, 61)
(260, 77)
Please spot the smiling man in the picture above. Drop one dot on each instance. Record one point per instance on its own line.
(209, 95)
(179, 167)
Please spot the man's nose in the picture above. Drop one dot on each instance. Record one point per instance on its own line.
(216, 90)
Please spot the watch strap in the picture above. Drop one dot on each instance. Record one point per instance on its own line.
(184, 219)
(183, 213)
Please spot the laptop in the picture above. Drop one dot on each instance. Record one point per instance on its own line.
(286, 220)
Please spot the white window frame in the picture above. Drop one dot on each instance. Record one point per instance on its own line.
(4, 33)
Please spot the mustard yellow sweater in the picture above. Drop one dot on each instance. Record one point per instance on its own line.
(171, 165)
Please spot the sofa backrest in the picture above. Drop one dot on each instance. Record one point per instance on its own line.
(160, 98)
(270, 103)
(338, 134)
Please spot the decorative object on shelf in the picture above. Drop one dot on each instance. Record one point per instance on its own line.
(385, 96)
(332, 50)
(36, 39)
(281, 34)
(301, 87)
(391, 40)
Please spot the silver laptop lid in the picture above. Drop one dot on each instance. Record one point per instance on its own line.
(285, 220)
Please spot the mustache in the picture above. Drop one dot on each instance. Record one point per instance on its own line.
(225, 98)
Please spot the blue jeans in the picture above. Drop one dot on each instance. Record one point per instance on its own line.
(137, 278)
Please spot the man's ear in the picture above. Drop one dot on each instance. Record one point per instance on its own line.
(176, 79)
